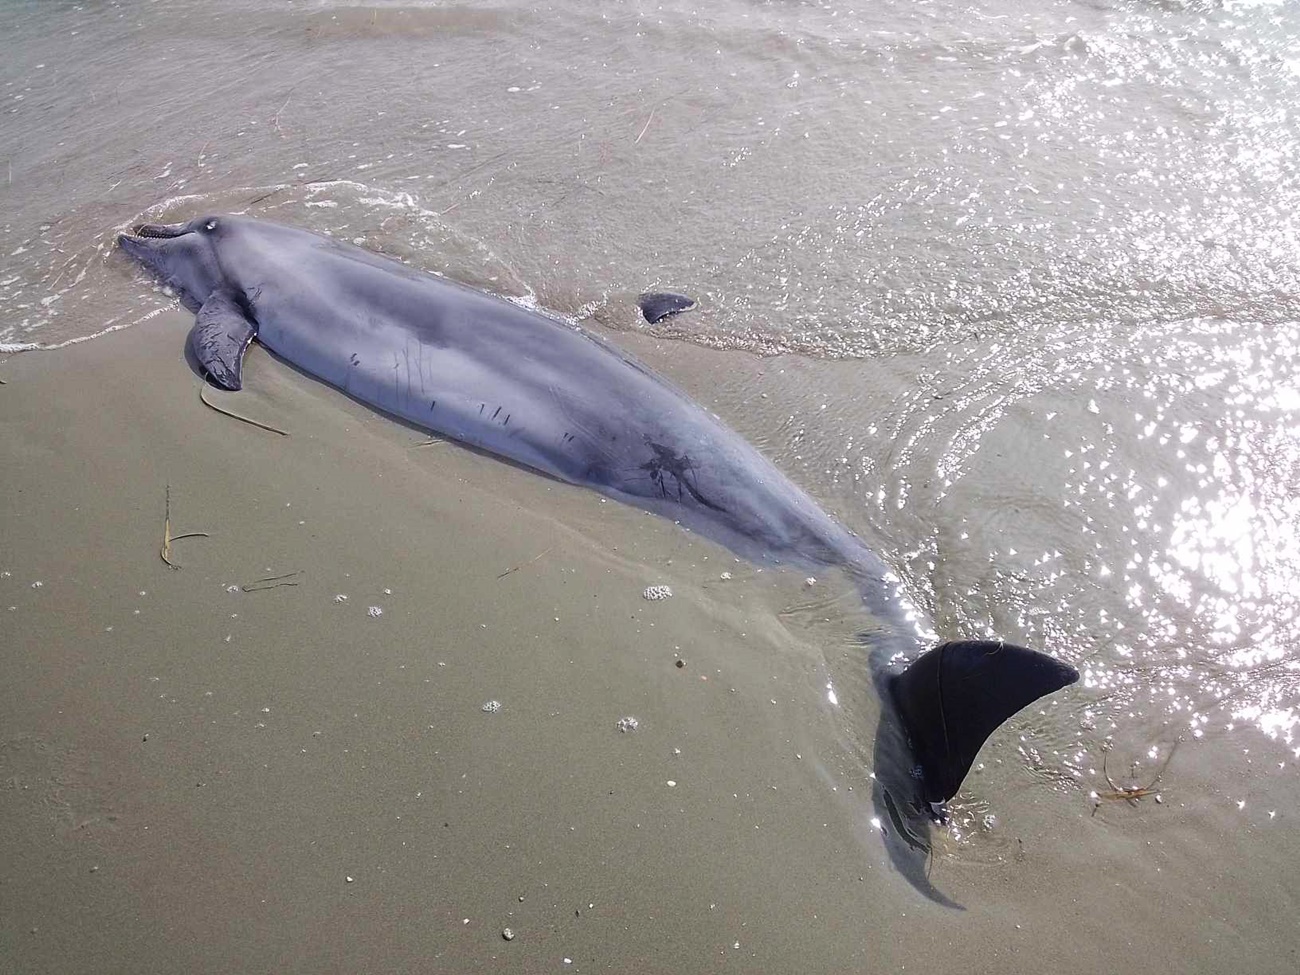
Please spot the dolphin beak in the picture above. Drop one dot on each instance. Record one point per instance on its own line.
(143, 240)
(159, 230)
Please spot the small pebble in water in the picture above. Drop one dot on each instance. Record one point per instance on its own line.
(491, 707)
(681, 664)
(654, 593)
(508, 934)
(374, 611)
(627, 724)
(348, 879)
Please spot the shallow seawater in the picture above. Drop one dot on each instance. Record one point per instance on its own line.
(1026, 284)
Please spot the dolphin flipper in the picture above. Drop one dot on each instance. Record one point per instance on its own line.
(219, 338)
(658, 305)
(953, 697)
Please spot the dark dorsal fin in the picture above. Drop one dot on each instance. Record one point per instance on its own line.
(220, 335)
(954, 696)
(658, 305)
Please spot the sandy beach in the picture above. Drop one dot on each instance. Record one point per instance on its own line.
(205, 779)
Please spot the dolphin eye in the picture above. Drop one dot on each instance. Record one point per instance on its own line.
(210, 225)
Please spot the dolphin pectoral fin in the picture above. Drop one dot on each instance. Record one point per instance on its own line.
(953, 697)
(658, 305)
(221, 334)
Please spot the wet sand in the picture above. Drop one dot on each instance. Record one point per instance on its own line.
(205, 780)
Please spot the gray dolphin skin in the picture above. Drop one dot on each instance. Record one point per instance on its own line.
(548, 395)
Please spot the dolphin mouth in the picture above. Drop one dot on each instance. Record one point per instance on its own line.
(146, 242)
(158, 230)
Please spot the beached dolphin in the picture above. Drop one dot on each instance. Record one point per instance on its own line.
(549, 395)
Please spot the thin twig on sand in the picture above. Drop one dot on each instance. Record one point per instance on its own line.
(646, 126)
(168, 537)
(522, 565)
(275, 122)
(235, 416)
(266, 196)
(271, 582)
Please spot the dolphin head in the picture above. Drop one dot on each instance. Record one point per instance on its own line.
(184, 255)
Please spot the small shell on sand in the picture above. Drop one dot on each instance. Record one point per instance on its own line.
(374, 611)
(491, 707)
(657, 592)
(627, 724)
(508, 934)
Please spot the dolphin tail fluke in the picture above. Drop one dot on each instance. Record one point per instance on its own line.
(953, 697)
(221, 334)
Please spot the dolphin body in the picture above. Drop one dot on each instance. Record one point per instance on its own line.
(548, 395)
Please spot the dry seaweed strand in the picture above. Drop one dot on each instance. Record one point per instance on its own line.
(1131, 794)
(166, 551)
(522, 565)
(280, 189)
(271, 582)
(275, 122)
(646, 126)
(235, 416)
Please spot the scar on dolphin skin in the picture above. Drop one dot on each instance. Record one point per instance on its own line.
(665, 461)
